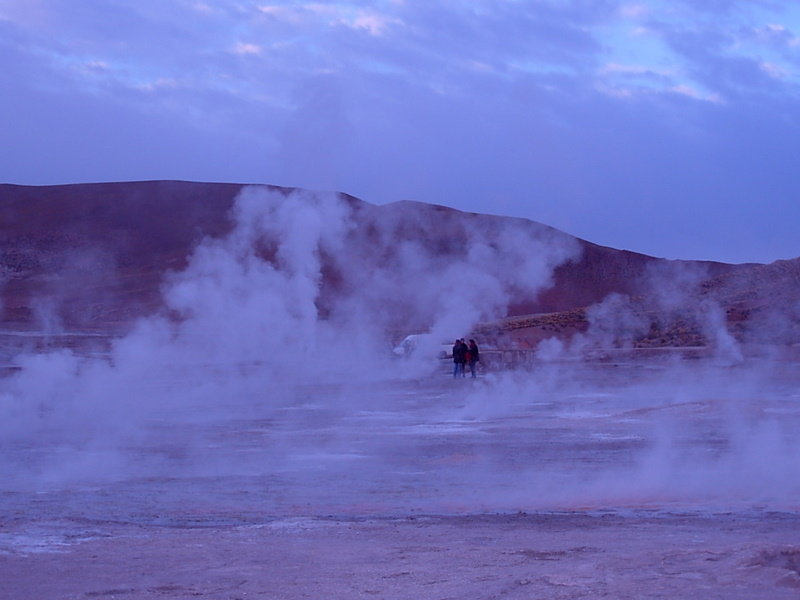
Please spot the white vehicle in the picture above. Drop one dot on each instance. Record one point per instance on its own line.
(422, 344)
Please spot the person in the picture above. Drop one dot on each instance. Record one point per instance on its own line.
(474, 357)
(458, 359)
(466, 357)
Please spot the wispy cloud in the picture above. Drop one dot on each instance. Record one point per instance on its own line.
(691, 92)
(246, 48)
(333, 14)
(439, 101)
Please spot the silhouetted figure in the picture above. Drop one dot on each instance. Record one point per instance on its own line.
(459, 358)
(474, 357)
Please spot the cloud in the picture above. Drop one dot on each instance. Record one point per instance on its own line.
(778, 35)
(245, 48)
(688, 90)
(350, 15)
(774, 71)
(372, 23)
(557, 112)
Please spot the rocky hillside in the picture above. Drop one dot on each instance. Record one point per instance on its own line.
(93, 257)
(756, 304)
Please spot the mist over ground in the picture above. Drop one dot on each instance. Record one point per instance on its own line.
(256, 370)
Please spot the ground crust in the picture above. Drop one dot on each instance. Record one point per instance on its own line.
(594, 554)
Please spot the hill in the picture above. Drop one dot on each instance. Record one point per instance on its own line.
(93, 257)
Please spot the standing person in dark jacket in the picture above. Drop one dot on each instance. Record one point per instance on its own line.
(474, 357)
(459, 349)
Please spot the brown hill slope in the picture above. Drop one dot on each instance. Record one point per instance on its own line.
(762, 303)
(115, 240)
(754, 304)
(93, 255)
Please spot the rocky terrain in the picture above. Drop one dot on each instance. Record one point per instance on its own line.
(92, 257)
(758, 304)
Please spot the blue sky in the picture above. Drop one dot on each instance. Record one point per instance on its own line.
(670, 128)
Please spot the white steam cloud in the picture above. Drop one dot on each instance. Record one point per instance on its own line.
(272, 359)
(244, 320)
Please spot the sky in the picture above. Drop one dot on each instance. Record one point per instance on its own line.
(667, 128)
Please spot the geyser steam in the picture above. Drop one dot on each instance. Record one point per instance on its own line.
(271, 363)
(245, 319)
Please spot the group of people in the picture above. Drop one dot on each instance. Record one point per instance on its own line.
(465, 354)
